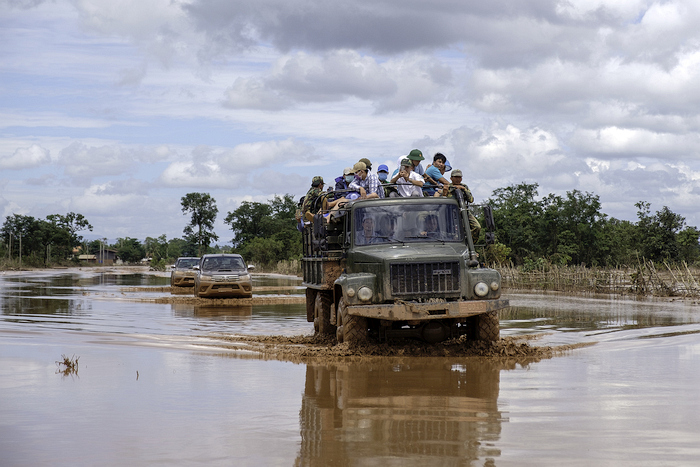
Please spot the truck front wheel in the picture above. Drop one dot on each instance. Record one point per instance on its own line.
(353, 329)
(487, 327)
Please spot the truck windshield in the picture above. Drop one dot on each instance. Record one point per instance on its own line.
(187, 263)
(407, 223)
(222, 263)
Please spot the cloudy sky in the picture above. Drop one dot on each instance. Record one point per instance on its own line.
(115, 109)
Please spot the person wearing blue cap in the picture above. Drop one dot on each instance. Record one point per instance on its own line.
(383, 174)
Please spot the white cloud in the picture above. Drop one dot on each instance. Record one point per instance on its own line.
(302, 78)
(83, 162)
(106, 199)
(234, 167)
(629, 142)
(23, 158)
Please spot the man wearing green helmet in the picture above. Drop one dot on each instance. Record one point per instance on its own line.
(415, 156)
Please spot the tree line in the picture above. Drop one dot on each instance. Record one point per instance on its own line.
(571, 229)
(264, 233)
(530, 231)
(41, 241)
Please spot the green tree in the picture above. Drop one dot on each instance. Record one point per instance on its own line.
(657, 234)
(63, 237)
(176, 248)
(20, 230)
(266, 232)
(129, 250)
(572, 227)
(251, 220)
(616, 245)
(688, 244)
(203, 210)
(71, 223)
(156, 248)
(518, 218)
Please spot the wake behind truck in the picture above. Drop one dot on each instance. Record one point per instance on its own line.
(399, 267)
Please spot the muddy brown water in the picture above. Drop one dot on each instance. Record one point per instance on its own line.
(170, 384)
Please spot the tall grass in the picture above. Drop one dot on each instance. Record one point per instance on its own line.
(646, 278)
(290, 267)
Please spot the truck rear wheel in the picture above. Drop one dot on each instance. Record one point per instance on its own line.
(353, 329)
(323, 314)
(310, 305)
(487, 327)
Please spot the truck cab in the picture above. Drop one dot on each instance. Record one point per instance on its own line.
(398, 267)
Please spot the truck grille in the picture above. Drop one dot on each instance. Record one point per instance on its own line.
(417, 278)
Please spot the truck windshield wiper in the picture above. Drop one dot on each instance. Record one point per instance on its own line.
(390, 239)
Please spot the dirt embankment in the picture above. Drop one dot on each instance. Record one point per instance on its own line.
(184, 295)
(324, 349)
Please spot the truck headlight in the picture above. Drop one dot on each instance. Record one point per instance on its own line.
(364, 294)
(481, 289)
(494, 286)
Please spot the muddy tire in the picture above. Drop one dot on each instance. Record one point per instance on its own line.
(339, 334)
(487, 327)
(354, 328)
(310, 305)
(323, 314)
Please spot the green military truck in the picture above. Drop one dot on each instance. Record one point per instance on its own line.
(399, 267)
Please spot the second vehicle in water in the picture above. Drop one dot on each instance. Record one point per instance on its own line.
(223, 276)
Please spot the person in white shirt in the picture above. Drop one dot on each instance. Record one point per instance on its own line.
(408, 182)
(415, 156)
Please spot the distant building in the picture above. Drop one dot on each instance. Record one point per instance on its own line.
(107, 258)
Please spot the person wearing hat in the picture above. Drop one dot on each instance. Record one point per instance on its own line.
(448, 191)
(383, 173)
(367, 162)
(342, 182)
(383, 176)
(311, 198)
(408, 182)
(366, 183)
(415, 156)
(434, 174)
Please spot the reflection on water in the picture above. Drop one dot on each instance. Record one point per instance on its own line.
(422, 411)
(220, 312)
(18, 306)
(592, 316)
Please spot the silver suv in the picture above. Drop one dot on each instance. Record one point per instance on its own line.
(223, 276)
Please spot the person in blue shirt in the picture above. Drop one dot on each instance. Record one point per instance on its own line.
(435, 175)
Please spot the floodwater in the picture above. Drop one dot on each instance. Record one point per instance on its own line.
(154, 387)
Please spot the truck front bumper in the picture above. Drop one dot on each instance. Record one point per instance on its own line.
(406, 311)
